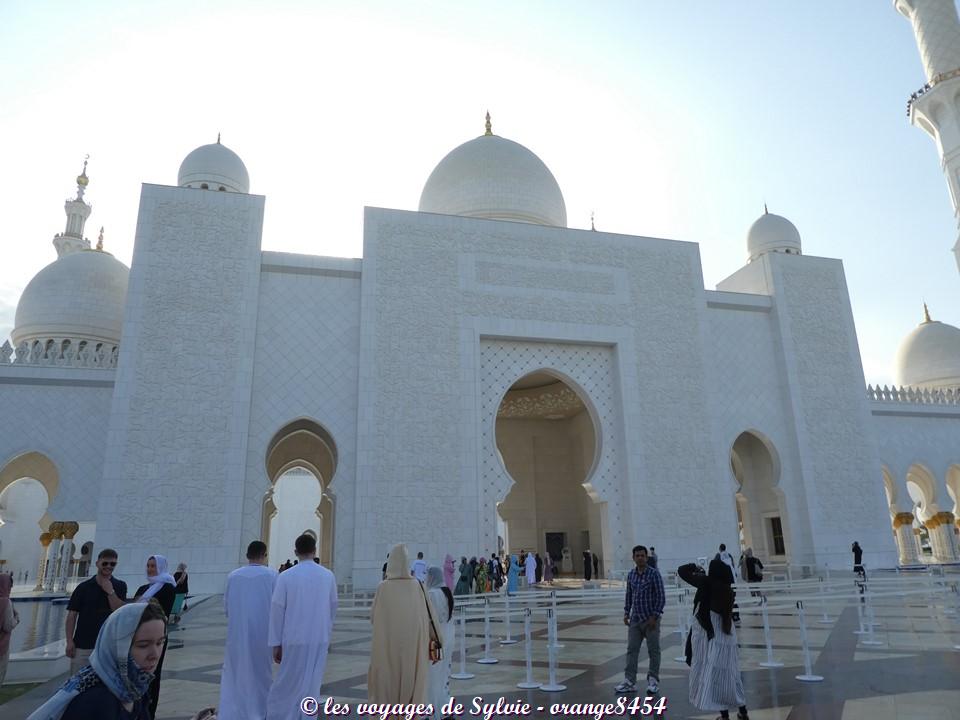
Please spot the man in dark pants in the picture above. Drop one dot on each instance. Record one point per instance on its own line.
(642, 609)
(90, 605)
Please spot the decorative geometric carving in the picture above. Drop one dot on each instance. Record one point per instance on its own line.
(554, 401)
(591, 368)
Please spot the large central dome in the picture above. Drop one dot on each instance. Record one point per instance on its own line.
(497, 179)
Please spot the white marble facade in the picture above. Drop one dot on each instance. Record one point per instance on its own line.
(161, 408)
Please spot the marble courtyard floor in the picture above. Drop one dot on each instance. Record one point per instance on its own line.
(914, 671)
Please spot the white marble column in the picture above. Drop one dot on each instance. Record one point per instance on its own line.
(948, 542)
(66, 555)
(906, 540)
(42, 566)
(53, 567)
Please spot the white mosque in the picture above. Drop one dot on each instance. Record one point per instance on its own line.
(535, 386)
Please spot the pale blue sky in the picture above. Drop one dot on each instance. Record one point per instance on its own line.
(669, 119)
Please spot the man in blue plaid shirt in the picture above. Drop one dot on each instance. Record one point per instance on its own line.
(641, 614)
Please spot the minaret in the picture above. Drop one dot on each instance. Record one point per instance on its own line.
(77, 211)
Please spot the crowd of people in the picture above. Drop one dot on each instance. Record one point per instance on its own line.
(117, 646)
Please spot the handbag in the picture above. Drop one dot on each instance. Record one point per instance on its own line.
(436, 647)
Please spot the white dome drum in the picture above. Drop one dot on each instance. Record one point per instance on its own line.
(79, 296)
(214, 167)
(497, 179)
(772, 233)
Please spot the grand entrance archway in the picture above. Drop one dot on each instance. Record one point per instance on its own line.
(301, 462)
(761, 507)
(28, 484)
(548, 441)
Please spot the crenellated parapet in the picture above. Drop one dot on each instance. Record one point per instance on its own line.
(916, 396)
(61, 352)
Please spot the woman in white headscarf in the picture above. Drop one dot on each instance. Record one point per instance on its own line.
(161, 587)
(439, 677)
(531, 569)
(402, 618)
(115, 683)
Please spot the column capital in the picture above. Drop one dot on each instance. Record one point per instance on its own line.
(45, 539)
(902, 518)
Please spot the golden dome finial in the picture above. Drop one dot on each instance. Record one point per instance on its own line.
(82, 179)
(218, 138)
(765, 211)
(592, 226)
(926, 314)
(100, 240)
(488, 127)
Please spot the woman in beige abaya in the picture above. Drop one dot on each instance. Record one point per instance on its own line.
(400, 650)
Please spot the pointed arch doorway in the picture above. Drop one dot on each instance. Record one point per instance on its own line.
(548, 441)
(301, 461)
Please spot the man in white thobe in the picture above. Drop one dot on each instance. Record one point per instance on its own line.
(302, 610)
(247, 662)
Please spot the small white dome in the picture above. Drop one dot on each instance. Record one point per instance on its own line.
(214, 167)
(80, 295)
(929, 357)
(772, 233)
(494, 178)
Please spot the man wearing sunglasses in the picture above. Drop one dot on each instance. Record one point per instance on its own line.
(90, 605)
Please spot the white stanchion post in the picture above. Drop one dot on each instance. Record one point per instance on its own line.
(862, 630)
(487, 658)
(463, 674)
(770, 663)
(529, 683)
(871, 620)
(808, 675)
(508, 640)
(933, 596)
(553, 602)
(945, 590)
(825, 619)
(552, 684)
(680, 618)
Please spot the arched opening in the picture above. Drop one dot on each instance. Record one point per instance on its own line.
(761, 506)
(953, 488)
(548, 440)
(301, 462)
(28, 484)
(922, 489)
(23, 503)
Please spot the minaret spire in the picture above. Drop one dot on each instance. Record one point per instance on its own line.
(77, 210)
(932, 107)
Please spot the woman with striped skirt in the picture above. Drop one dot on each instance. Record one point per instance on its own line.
(715, 680)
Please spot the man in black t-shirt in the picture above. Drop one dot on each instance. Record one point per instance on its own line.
(90, 605)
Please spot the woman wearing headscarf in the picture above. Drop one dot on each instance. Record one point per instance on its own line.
(160, 586)
(463, 583)
(438, 680)
(8, 621)
(114, 685)
(513, 573)
(547, 568)
(182, 583)
(402, 619)
(448, 571)
(531, 569)
(715, 680)
(481, 576)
